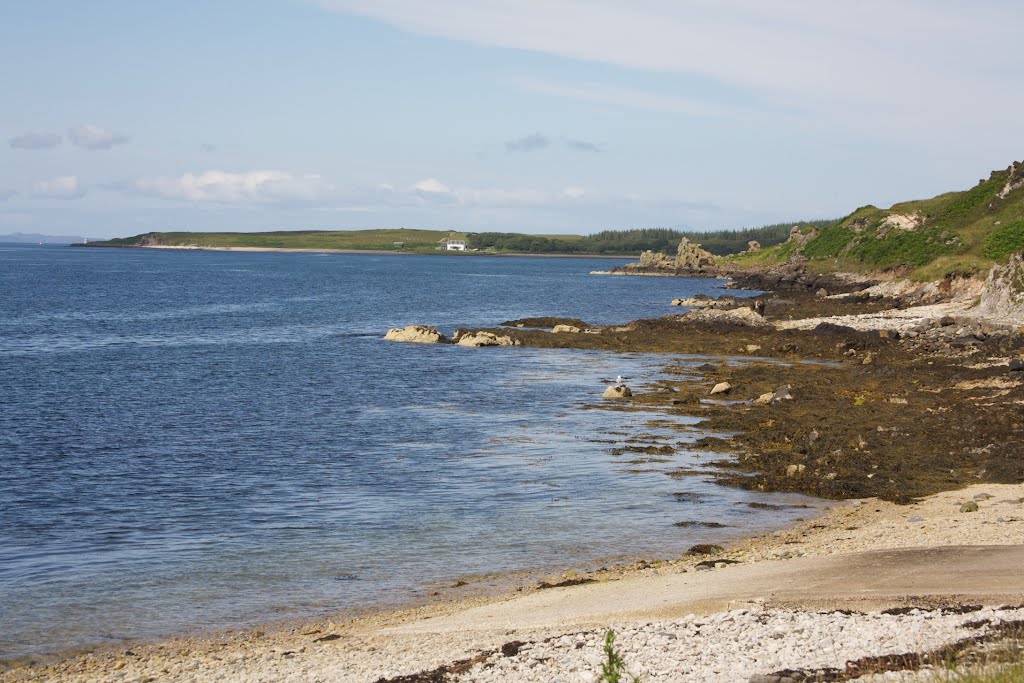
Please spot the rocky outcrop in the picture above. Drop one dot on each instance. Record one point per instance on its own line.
(415, 334)
(482, 338)
(801, 238)
(655, 260)
(753, 245)
(691, 256)
(899, 222)
(1015, 181)
(566, 328)
(1003, 295)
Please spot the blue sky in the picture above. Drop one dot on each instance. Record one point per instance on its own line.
(549, 116)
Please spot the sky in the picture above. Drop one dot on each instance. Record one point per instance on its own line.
(543, 116)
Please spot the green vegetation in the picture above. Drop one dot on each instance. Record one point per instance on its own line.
(607, 242)
(961, 233)
(613, 669)
(1005, 240)
(630, 242)
(998, 673)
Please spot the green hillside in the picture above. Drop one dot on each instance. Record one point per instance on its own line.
(957, 232)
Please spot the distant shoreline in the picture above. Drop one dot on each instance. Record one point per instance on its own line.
(299, 250)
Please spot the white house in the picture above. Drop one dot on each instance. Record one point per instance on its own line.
(455, 245)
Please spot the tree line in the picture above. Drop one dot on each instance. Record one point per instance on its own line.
(630, 242)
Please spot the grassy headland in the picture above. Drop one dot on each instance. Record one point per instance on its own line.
(962, 233)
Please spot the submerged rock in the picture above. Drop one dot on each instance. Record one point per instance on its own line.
(416, 334)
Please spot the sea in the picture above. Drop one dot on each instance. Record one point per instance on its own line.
(201, 440)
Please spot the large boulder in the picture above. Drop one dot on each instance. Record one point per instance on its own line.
(566, 328)
(416, 334)
(477, 339)
(1003, 295)
(617, 392)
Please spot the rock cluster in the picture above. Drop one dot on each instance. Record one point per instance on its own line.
(755, 645)
(734, 316)
(690, 258)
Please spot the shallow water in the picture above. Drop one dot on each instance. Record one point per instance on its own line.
(200, 439)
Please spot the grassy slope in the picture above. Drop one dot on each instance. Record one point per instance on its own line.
(959, 232)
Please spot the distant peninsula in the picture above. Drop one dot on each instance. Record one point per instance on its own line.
(604, 243)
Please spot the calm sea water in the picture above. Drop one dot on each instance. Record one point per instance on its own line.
(193, 440)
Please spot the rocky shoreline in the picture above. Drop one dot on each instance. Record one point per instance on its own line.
(910, 406)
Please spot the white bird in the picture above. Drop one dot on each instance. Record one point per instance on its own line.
(618, 380)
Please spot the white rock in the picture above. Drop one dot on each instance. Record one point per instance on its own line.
(721, 388)
(416, 334)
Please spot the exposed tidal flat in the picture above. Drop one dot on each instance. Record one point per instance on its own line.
(194, 441)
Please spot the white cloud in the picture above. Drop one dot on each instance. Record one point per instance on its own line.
(222, 187)
(574, 192)
(7, 194)
(61, 187)
(913, 66)
(35, 141)
(431, 186)
(91, 136)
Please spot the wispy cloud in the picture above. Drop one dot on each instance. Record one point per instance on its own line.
(91, 136)
(889, 67)
(223, 187)
(583, 146)
(633, 98)
(61, 187)
(35, 141)
(7, 194)
(538, 141)
(528, 143)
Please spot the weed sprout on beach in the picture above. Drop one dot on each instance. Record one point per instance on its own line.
(613, 670)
